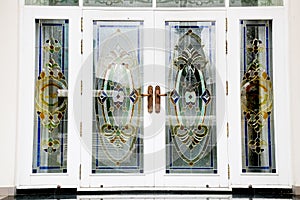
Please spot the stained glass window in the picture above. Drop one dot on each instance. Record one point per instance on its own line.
(257, 116)
(191, 104)
(118, 3)
(52, 2)
(190, 3)
(118, 113)
(51, 92)
(238, 3)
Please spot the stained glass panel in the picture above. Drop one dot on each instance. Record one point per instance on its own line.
(238, 3)
(191, 104)
(257, 117)
(52, 2)
(118, 3)
(190, 3)
(117, 114)
(51, 92)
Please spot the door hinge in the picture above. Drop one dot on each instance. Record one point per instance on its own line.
(81, 87)
(226, 47)
(80, 172)
(228, 171)
(81, 24)
(226, 88)
(81, 47)
(226, 24)
(80, 129)
(227, 130)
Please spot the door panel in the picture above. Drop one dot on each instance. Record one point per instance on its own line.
(114, 125)
(193, 134)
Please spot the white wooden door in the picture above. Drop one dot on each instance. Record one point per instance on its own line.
(200, 159)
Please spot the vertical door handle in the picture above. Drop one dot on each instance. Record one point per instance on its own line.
(149, 96)
(158, 96)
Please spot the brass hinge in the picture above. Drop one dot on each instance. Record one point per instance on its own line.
(81, 87)
(80, 129)
(226, 88)
(81, 46)
(81, 24)
(227, 130)
(226, 24)
(80, 172)
(228, 171)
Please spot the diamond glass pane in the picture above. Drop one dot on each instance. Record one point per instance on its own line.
(117, 103)
(190, 3)
(118, 3)
(52, 2)
(191, 103)
(51, 102)
(257, 113)
(239, 3)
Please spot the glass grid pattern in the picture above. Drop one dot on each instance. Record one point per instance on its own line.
(51, 91)
(117, 114)
(257, 116)
(191, 103)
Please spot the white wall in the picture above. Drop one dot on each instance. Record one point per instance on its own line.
(9, 93)
(294, 52)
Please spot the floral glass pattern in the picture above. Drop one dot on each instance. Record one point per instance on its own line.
(190, 3)
(52, 2)
(257, 114)
(118, 114)
(238, 3)
(191, 110)
(118, 3)
(51, 92)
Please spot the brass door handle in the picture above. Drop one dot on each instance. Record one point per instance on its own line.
(149, 96)
(158, 96)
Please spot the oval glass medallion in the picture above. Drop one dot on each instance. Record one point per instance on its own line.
(190, 108)
(117, 98)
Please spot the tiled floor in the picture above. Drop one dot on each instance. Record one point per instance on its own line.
(146, 197)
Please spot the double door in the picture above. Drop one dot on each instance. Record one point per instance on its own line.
(147, 101)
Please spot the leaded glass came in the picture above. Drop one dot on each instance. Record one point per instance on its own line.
(257, 113)
(191, 103)
(51, 97)
(117, 103)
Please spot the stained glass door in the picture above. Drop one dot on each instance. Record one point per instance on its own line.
(116, 96)
(155, 99)
(258, 89)
(192, 99)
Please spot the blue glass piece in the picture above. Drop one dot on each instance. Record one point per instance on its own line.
(175, 96)
(103, 97)
(206, 96)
